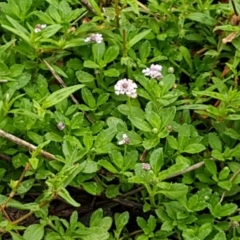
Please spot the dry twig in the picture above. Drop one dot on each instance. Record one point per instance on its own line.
(25, 144)
(88, 6)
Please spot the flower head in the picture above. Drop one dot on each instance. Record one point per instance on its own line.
(61, 126)
(171, 70)
(146, 166)
(94, 38)
(39, 27)
(126, 86)
(154, 71)
(125, 140)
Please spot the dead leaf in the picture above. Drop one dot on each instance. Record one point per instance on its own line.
(229, 38)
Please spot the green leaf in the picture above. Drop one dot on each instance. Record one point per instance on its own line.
(154, 119)
(204, 230)
(176, 168)
(25, 186)
(156, 160)
(141, 124)
(96, 218)
(225, 210)
(186, 55)
(173, 191)
(215, 95)
(192, 202)
(50, 31)
(53, 12)
(172, 141)
(112, 191)
(25, 5)
(134, 5)
(16, 236)
(104, 137)
(112, 72)
(211, 166)
(88, 98)
(142, 224)
(60, 95)
(167, 226)
(220, 236)
(203, 18)
(111, 54)
(130, 160)
(106, 223)
(117, 159)
(136, 111)
(88, 140)
(162, 214)
(144, 51)
(138, 38)
(84, 77)
(36, 230)
(25, 112)
(92, 188)
(120, 220)
(224, 173)
(215, 142)
(102, 98)
(235, 152)
(98, 52)
(168, 115)
(194, 148)
(25, 37)
(225, 185)
(90, 64)
(218, 155)
(151, 223)
(95, 7)
(150, 143)
(63, 193)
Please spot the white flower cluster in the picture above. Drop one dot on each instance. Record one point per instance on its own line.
(126, 86)
(39, 27)
(125, 140)
(154, 71)
(146, 166)
(94, 38)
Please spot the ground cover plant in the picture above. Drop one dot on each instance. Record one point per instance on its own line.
(119, 119)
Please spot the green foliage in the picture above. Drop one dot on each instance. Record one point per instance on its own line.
(159, 148)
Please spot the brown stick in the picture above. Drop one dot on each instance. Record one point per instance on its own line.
(5, 157)
(25, 144)
(88, 6)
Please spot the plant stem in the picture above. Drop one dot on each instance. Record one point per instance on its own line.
(124, 43)
(130, 107)
(11, 195)
(132, 234)
(117, 12)
(125, 149)
(151, 195)
(43, 204)
(183, 70)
